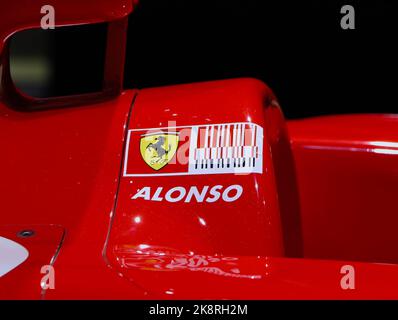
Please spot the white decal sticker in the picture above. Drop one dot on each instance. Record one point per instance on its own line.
(12, 255)
(230, 148)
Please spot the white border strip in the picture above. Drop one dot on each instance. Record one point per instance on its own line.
(196, 125)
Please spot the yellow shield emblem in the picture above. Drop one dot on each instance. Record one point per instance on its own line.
(158, 149)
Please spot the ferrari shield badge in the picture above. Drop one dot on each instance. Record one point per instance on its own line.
(157, 149)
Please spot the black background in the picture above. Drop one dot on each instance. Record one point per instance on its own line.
(297, 47)
(256, 309)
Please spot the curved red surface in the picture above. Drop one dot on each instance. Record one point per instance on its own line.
(348, 184)
(249, 225)
(62, 167)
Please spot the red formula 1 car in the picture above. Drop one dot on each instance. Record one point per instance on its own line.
(197, 191)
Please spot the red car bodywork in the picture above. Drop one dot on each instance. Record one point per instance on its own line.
(325, 197)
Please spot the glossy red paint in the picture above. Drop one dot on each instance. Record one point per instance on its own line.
(62, 167)
(159, 259)
(170, 275)
(250, 225)
(347, 169)
(24, 281)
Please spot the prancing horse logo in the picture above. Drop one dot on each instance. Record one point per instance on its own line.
(157, 149)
